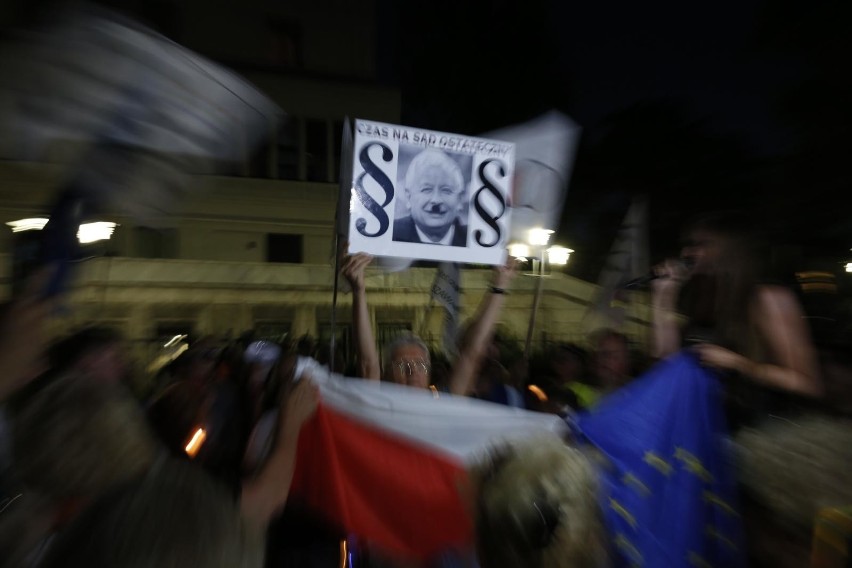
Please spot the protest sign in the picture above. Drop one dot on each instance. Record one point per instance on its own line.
(429, 195)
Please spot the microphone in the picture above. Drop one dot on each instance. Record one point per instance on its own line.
(643, 281)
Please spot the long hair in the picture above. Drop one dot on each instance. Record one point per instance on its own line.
(722, 301)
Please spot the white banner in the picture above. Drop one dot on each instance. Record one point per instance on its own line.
(429, 195)
(544, 157)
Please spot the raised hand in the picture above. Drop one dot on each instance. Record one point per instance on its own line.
(354, 268)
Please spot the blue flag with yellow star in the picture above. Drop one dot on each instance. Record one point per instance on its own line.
(668, 489)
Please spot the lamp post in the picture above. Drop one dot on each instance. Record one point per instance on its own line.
(537, 240)
(86, 233)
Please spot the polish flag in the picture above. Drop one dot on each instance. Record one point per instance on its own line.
(389, 463)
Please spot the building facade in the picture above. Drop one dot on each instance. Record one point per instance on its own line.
(253, 250)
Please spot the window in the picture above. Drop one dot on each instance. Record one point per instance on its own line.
(288, 149)
(156, 243)
(337, 147)
(309, 149)
(284, 248)
(316, 149)
(285, 44)
(259, 163)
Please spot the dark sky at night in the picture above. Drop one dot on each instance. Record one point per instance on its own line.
(731, 105)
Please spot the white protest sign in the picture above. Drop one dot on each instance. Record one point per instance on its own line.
(429, 195)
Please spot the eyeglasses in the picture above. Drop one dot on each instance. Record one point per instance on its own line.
(409, 367)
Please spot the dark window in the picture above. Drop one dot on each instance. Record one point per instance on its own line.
(156, 243)
(288, 149)
(283, 248)
(259, 163)
(337, 132)
(316, 150)
(285, 44)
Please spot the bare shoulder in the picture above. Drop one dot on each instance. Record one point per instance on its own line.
(777, 300)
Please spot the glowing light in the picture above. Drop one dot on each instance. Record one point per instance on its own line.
(344, 554)
(87, 233)
(558, 255)
(849, 267)
(34, 224)
(174, 340)
(539, 237)
(195, 443)
(91, 232)
(519, 250)
(539, 394)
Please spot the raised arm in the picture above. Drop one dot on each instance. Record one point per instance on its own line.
(264, 495)
(780, 321)
(665, 321)
(481, 331)
(369, 366)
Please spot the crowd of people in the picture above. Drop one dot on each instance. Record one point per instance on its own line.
(92, 475)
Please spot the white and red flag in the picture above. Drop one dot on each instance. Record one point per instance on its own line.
(390, 463)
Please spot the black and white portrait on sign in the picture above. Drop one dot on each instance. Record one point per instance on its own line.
(432, 206)
(426, 195)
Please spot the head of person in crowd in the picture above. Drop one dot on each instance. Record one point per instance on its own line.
(721, 243)
(99, 352)
(434, 187)
(407, 362)
(280, 379)
(611, 363)
(306, 346)
(197, 365)
(722, 270)
(173, 515)
(73, 440)
(260, 357)
(78, 436)
(538, 507)
(568, 363)
(491, 373)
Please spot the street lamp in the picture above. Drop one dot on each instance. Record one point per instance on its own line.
(519, 251)
(559, 255)
(537, 240)
(87, 233)
(539, 237)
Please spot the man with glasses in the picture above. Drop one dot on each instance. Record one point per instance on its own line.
(407, 360)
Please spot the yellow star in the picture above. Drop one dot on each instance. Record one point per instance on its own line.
(658, 463)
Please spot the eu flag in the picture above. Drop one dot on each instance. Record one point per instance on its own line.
(668, 489)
